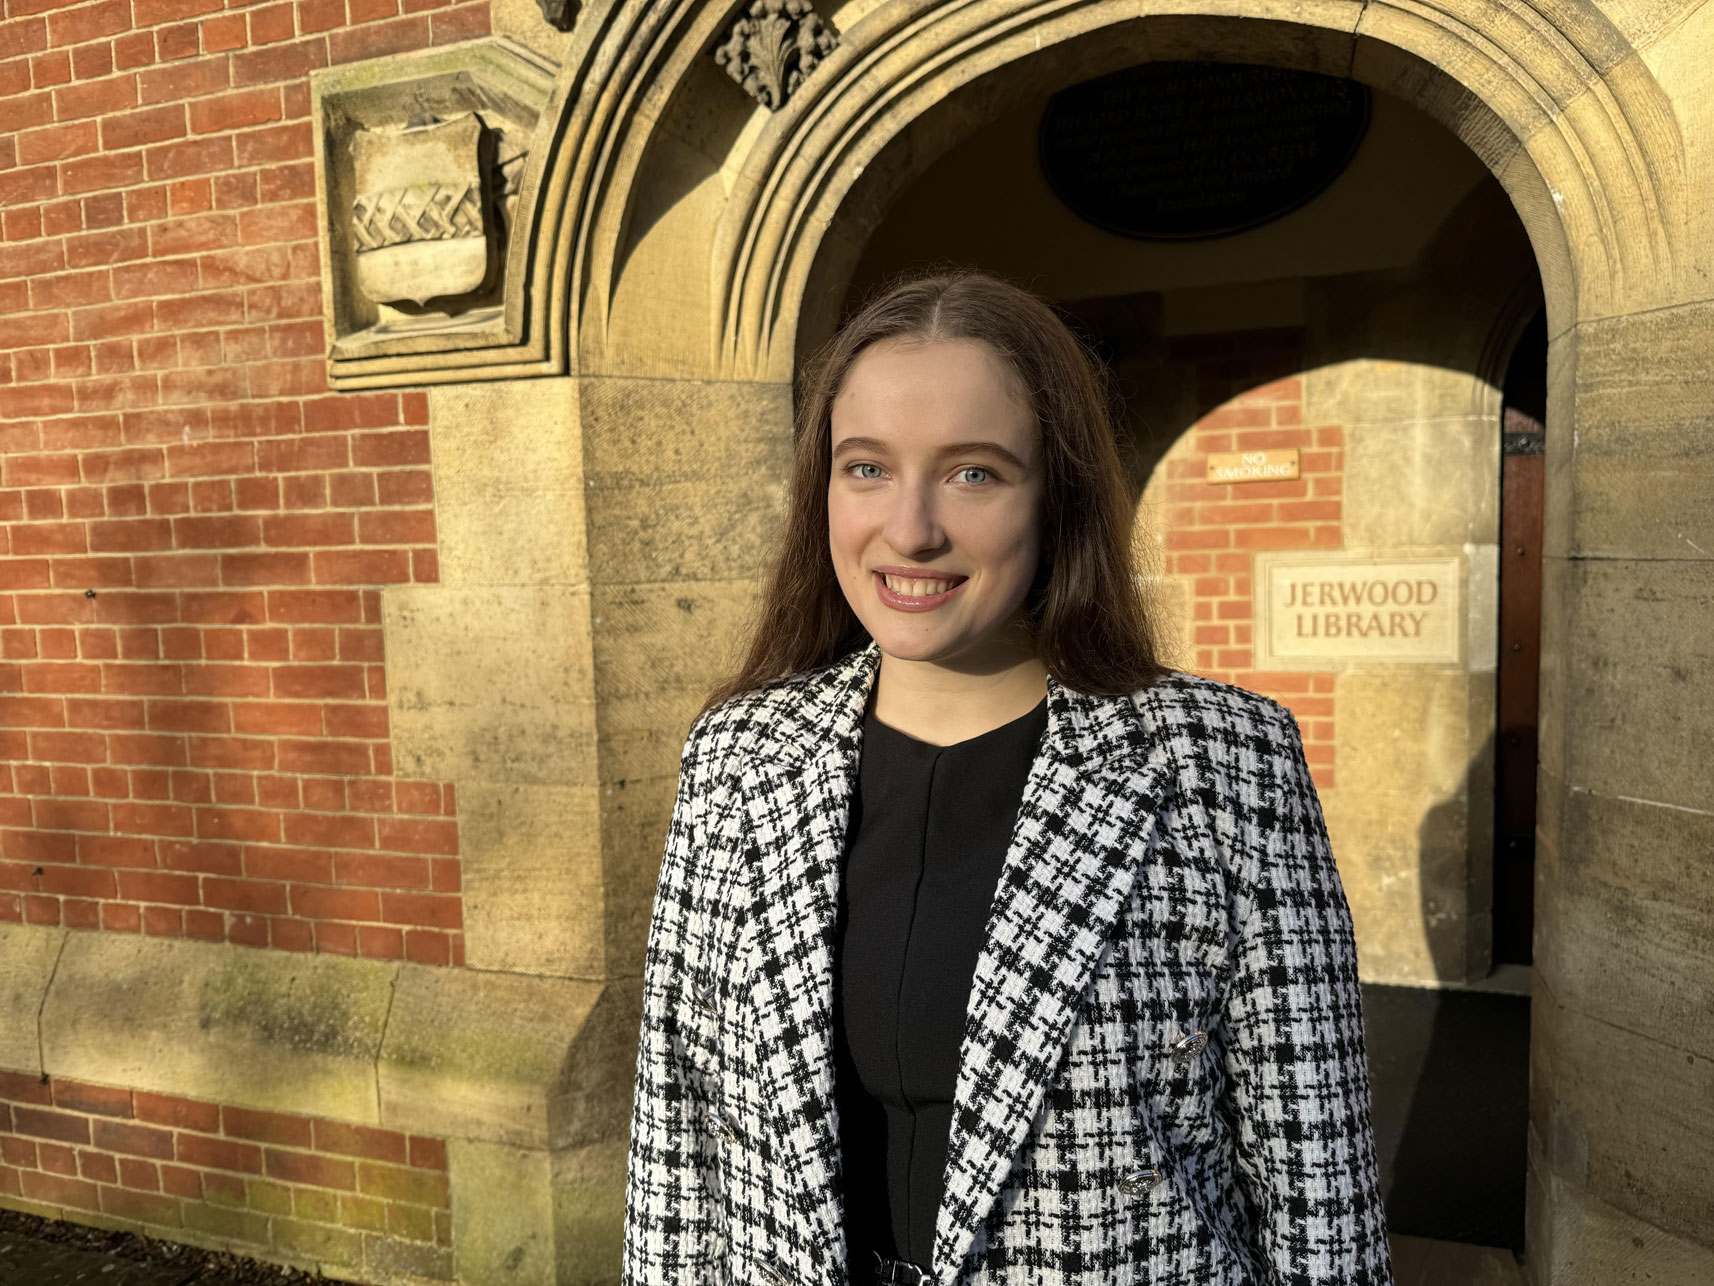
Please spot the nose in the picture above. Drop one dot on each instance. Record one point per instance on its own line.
(913, 520)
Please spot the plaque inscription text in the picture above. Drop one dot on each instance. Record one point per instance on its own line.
(1357, 609)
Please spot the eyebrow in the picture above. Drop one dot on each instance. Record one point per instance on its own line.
(953, 448)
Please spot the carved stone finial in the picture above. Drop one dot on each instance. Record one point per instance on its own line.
(773, 47)
(560, 14)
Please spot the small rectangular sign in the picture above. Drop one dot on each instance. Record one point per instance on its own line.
(1346, 608)
(1253, 466)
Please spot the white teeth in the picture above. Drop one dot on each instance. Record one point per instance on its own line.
(915, 588)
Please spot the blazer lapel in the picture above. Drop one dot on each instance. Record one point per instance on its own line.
(1089, 808)
(801, 767)
(1085, 821)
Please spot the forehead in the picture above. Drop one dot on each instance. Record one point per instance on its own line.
(916, 390)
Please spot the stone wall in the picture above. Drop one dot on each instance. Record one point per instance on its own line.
(221, 1050)
(1399, 742)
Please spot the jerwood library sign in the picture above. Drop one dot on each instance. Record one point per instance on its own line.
(1357, 609)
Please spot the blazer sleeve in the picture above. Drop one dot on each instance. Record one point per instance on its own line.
(670, 1212)
(1297, 1072)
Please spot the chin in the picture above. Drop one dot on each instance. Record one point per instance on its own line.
(908, 649)
(912, 645)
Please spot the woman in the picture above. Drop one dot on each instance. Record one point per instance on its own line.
(985, 949)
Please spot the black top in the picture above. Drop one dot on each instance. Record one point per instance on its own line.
(930, 826)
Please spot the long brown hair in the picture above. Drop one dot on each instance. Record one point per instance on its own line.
(1085, 611)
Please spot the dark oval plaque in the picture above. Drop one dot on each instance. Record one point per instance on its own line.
(1171, 151)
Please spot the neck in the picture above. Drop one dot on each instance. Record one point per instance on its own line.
(946, 702)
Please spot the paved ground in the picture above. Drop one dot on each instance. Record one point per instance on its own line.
(1420, 1262)
(38, 1252)
(45, 1252)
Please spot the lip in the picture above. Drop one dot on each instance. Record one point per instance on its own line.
(912, 602)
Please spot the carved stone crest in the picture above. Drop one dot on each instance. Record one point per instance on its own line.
(419, 219)
(773, 47)
(424, 162)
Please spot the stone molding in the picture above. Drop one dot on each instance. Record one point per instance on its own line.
(773, 47)
(506, 1059)
(1574, 172)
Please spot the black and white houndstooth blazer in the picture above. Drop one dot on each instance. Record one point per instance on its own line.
(1168, 875)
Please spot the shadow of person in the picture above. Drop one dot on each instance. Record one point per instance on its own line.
(1449, 1074)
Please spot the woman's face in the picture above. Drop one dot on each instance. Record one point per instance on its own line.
(936, 480)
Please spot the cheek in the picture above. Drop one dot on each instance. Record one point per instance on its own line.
(1007, 543)
(844, 541)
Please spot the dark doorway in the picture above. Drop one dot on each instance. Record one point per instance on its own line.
(1522, 458)
(1449, 1079)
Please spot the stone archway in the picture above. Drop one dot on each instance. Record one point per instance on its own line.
(1572, 125)
(681, 245)
(1559, 105)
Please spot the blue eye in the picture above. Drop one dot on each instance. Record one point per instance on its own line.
(871, 477)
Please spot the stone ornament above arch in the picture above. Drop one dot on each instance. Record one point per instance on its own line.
(561, 15)
(586, 142)
(1553, 99)
(773, 47)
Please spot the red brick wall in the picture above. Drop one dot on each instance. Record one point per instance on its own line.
(282, 1186)
(1250, 382)
(193, 529)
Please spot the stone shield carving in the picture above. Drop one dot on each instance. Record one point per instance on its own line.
(420, 227)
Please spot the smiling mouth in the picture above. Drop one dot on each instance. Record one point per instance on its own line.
(920, 586)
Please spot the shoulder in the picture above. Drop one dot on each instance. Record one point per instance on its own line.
(1242, 778)
(1179, 705)
(728, 728)
(1235, 754)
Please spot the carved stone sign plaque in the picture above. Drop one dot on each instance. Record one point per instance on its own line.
(1178, 150)
(419, 225)
(1341, 608)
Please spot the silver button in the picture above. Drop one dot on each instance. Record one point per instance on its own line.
(722, 1127)
(705, 1000)
(1189, 1048)
(1134, 1182)
(775, 1274)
